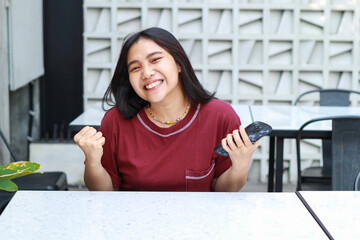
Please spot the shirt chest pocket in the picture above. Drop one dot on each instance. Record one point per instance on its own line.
(200, 181)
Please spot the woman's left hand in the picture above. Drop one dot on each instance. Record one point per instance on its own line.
(240, 149)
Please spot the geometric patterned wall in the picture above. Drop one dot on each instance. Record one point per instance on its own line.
(249, 51)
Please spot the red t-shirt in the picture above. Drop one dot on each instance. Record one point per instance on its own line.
(141, 156)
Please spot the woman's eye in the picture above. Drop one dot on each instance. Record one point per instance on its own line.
(134, 69)
(156, 59)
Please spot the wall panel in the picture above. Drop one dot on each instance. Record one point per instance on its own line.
(249, 51)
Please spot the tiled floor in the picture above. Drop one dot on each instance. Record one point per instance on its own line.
(252, 186)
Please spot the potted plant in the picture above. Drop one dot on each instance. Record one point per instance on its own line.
(15, 170)
(11, 171)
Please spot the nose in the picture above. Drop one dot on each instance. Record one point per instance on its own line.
(147, 72)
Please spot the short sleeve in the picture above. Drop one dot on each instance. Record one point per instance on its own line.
(108, 160)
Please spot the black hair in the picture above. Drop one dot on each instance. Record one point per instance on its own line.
(124, 97)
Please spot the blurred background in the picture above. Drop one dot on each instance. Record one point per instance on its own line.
(57, 59)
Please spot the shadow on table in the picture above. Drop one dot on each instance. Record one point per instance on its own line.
(5, 198)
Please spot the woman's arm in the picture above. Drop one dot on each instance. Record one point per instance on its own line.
(240, 152)
(95, 176)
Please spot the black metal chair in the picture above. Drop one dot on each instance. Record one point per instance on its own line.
(345, 139)
(330, 96)
(326, 97)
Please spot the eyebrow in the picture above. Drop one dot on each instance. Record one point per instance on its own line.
(148, 56)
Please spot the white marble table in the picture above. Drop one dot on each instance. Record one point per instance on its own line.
(156, 215)
(91, 117)
(243, 112)
(339, 212)
(290, 118)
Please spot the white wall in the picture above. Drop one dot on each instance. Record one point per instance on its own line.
(250, 52)
(4, 85)
(26, 48)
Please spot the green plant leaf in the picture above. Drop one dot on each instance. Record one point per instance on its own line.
(17, 169)
(8, 185)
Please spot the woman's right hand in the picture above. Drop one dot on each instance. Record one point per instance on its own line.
(90, 141)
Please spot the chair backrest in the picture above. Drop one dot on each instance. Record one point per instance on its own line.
(298, 151)
(330, 96)
(346, 152)
(345, 146)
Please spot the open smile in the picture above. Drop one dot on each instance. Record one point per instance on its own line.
(153, 84)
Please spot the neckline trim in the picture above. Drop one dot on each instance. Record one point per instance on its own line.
(172, 133)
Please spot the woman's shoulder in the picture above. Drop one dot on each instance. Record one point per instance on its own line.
(219, 111)
(112, 116)
(219, 106)
(112, 113)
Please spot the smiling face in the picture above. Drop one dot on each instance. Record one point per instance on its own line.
(153, 72)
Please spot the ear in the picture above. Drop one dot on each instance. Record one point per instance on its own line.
(179, 68)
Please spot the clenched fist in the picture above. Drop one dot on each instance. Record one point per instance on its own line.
(90, 141)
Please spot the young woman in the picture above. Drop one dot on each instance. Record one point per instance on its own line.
(161, 133)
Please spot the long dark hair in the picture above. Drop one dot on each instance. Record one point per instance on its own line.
(126, 100)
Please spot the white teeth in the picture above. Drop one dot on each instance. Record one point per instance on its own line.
(154, 84)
